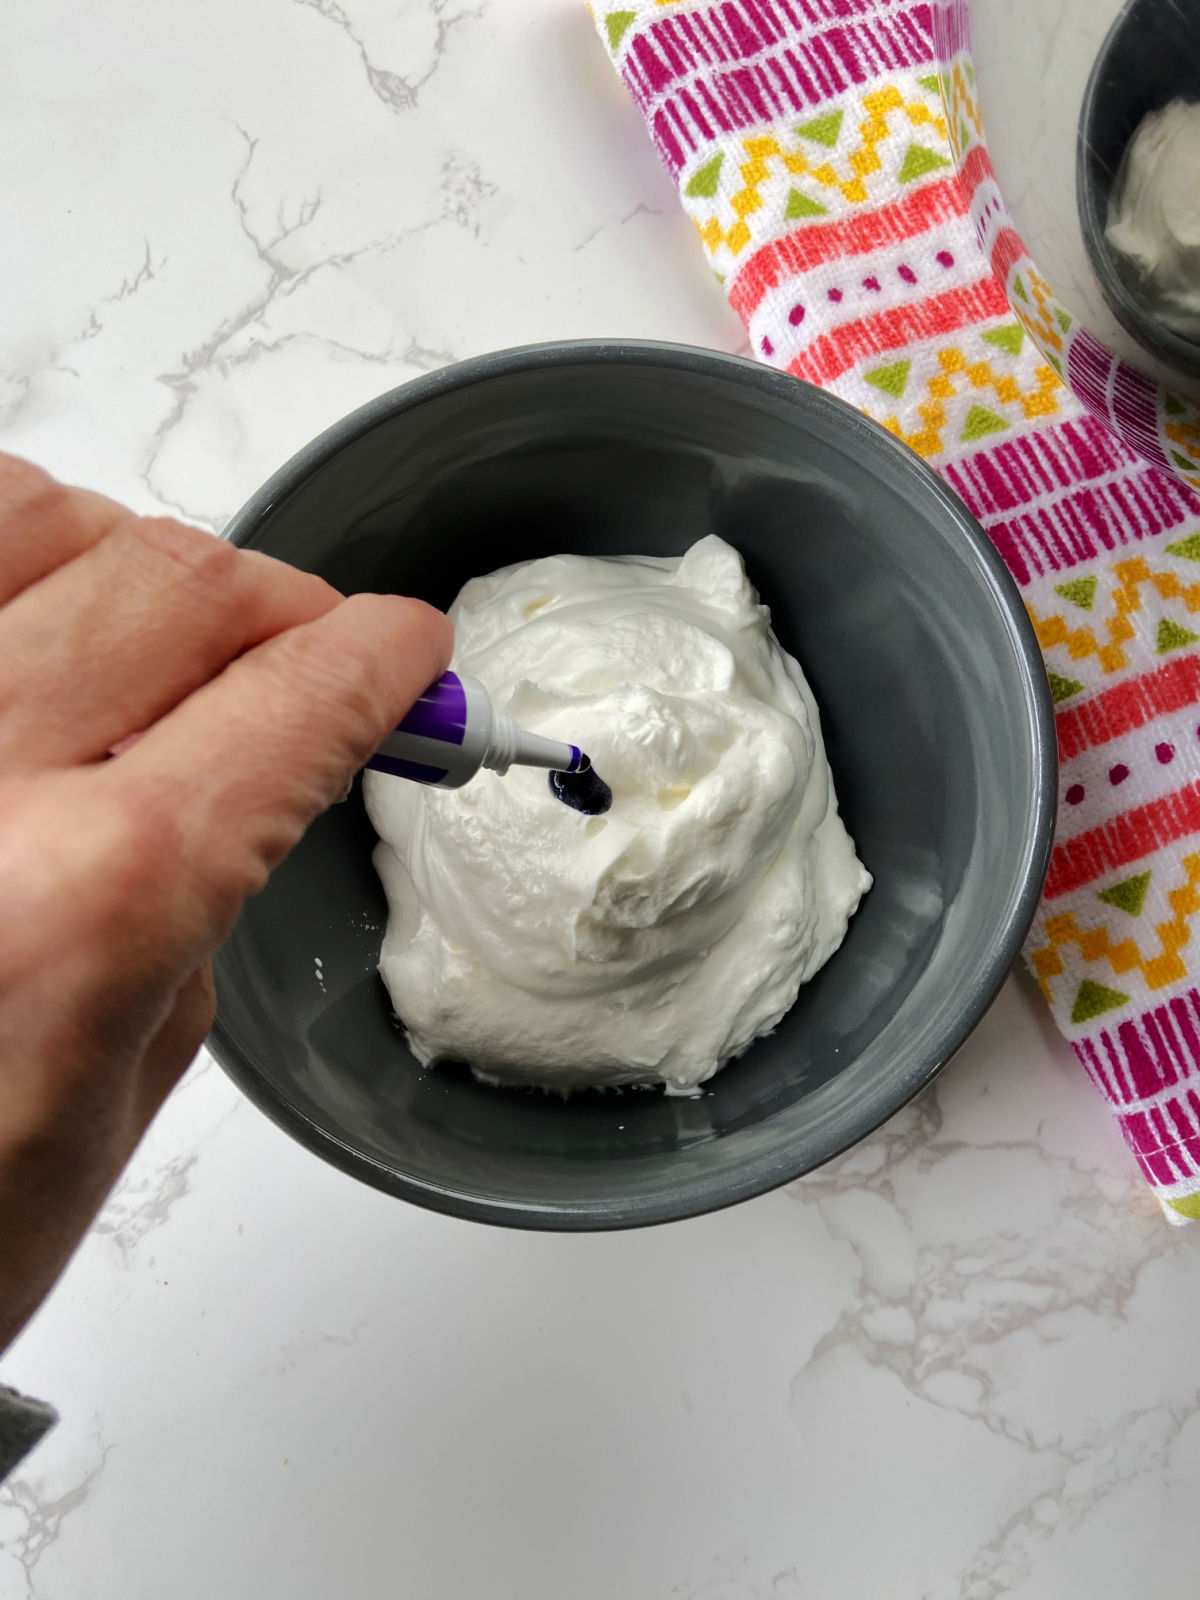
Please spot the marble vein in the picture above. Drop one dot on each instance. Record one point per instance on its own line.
(943, 1322)
(38, 1516)
(396, 90)
(242, 336)
(639, 210)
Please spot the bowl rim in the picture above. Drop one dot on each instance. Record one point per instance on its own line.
(693, 1196)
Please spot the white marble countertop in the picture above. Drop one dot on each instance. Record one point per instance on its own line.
(957, 1365)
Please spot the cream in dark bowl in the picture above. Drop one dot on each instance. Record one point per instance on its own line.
(651, 944)
(935, 713)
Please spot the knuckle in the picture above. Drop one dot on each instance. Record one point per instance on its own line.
(28, 492)
(228, 865)
(145, 846)
(231, 877)
(174, 548)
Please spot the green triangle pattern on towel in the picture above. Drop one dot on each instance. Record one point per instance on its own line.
(799, 205)
(931, 83)
(1187, 1205)
(918, 160)
(1019, 290)
(1011, 337)
(1093, 998)
(980, 421)
(1129, 895)
(891, 379)
(1080, 592)
(1182, 461)
(703, 182)
(1188, 548)
(1054, 362)
(1065, 321)
(1062, 688)
(1173, 405)
(1173, 636)
(616, 23)
(823, 130)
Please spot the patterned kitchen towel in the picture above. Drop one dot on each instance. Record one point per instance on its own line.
(809, 145)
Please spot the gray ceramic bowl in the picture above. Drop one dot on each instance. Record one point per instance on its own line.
(937, 719)
(1150, 57)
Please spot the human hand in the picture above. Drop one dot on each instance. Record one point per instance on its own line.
(258, 691)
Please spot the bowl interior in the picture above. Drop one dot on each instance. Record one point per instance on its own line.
(1150, 57)
(936, 719)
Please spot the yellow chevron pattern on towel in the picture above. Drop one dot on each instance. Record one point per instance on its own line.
(1081, 643)
(964, 107)
(767, 158)
(1043, 316)
(956, 371)
(1125, 597)
(1123, 955)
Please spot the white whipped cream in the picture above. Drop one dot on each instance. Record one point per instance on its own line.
(650, 944)
(1154, 212)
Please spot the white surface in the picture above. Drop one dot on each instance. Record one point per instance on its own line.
(1032, 62)
(958, 1365)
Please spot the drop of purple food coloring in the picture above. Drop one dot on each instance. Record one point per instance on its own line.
(583, 790)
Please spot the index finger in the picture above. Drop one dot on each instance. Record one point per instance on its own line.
(247, 762)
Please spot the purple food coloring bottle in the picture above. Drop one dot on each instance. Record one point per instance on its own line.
(453, 730)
